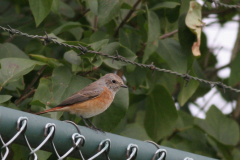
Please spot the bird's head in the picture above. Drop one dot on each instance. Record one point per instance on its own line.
(113, 82)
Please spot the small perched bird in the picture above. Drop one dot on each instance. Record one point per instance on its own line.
(91, 100)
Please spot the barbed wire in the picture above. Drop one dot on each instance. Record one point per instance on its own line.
(228, 6)
(46, 39)
(217, 3)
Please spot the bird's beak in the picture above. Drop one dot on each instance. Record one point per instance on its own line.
(124, 86)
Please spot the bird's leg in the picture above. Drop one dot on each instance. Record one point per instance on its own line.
(92, 127)
(85, 122)
(95, 127)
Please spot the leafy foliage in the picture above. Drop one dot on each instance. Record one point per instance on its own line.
(34, 77)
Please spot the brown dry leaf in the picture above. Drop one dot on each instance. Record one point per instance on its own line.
(194, 22)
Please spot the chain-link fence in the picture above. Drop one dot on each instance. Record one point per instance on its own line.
(65, 139)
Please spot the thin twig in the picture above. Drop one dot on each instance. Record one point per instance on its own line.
(82, 15)
(48, 39)
(33, 81)
(6, 9)
(127, 17)
(168, 34)
(32, 91)
(205, 105)
(140, 52)
(95, 23)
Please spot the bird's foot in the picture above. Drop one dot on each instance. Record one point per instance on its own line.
(96, 129)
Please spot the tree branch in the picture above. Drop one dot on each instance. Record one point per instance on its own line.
(32, 91)
(127, 17)
(168, 34)
(33, 82)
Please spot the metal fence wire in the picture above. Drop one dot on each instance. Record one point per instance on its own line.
(32, 130)
(78, 141)
(46, 39)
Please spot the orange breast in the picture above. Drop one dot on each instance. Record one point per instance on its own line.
(93, 106)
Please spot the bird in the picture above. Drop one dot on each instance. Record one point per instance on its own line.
(91, 100)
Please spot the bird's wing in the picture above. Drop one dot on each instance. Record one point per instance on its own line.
(83, 95)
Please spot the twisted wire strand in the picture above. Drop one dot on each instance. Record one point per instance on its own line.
(227, 5)
(77, 139)
(187, 77)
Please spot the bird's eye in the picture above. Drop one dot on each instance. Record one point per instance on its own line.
(113, 81)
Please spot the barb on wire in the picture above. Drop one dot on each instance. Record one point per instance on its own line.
(47, 39)
(83, 49)
(121, 58)
(187, 78)
(220, 85)
(117, 57)
(152, 67)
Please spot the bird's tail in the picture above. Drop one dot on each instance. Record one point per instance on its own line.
(49, 110)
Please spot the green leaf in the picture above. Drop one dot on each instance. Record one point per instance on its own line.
(235, 71)
(35, 46)
(130, 39)
(153, 35)
(13, 68)
(161, 114)
(135, 131)
(184, 120)
(111, 49)
(55, 6)
(20, 152)
(50, 61)
(136, 78)
(4, 98)
(93, 6)
(186, 37)
(72, 57)
(66, 10)
(76, 32)
(220, 127)
(171, 51)
(222, 150)
(126, 6)
(164, 5)
(14, 86)
(188, 91)
(107, 10)
(98, 45)
(66, 27)
(98, 36)
(10, 50)
(40, 9)
(236, 154)
(173, 15)
(109, 119)
(190, 140)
